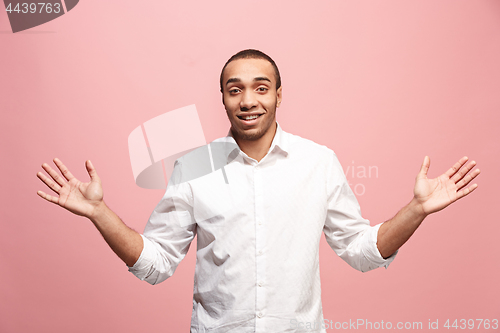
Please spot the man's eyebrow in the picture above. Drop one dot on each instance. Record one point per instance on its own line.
(262, 78)
(258, 78)
(233, 79)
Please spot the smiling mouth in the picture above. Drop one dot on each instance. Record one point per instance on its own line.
(252, 117)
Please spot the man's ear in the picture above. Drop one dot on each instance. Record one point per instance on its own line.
(278, 97)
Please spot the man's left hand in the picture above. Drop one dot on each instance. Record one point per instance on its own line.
(435, 194)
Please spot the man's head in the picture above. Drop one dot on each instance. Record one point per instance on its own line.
(252, 54)
(251, 92)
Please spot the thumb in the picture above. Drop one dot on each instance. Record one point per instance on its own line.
(425, 167)
(91, 170)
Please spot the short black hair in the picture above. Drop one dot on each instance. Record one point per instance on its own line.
(252, 54)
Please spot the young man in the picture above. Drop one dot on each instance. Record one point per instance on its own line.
(257, 267)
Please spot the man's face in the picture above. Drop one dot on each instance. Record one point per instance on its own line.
(250, 98)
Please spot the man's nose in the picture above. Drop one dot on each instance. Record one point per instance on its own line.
(248, 101)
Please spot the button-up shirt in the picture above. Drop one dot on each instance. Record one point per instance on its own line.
(259, 225)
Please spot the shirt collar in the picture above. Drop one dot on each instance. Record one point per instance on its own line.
(280, 140)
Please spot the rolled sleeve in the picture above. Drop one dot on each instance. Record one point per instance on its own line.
(370, 249)
(346, 231)
(167, 235)
(143, 267)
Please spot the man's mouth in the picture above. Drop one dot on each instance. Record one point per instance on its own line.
(252, 117)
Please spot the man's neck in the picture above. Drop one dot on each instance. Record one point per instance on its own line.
(257, 149)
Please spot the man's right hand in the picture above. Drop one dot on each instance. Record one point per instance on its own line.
(77, 197)
(85, 199)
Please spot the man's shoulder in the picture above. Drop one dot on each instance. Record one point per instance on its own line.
(303, 144)
(221, 146)
(204, 160)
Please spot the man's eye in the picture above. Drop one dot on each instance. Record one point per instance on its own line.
(262, 89)
(233, 91)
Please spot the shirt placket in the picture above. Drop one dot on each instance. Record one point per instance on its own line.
(260, 255)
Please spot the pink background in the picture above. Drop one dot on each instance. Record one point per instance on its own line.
(382, 83)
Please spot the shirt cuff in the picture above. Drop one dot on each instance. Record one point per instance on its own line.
(143, 265)
(372, 253)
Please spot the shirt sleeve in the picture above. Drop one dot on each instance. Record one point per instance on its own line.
(168, 233)
(346, 231)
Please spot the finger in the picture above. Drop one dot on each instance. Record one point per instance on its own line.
(466, 180)
(425, 166)
(52, 173)
(64, 170)
(451, 171)
(462, 172)
(47, 197)
(91, 170)
(49, 182)
(466, 191)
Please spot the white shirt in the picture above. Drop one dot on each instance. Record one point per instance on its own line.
(259, 227)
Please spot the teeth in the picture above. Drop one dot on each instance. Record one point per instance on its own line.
(250, 117)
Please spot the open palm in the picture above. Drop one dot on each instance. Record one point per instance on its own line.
(435, 194)
(77, 197)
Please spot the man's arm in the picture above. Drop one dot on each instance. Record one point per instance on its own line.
(430, 196)
(86, 199)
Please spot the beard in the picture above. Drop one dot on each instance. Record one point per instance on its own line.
(254, 134)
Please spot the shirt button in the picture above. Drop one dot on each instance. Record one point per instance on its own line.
(260, 252)
(259, 314)
(260, 284)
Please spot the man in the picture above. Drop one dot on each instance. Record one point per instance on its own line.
(259, 231)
